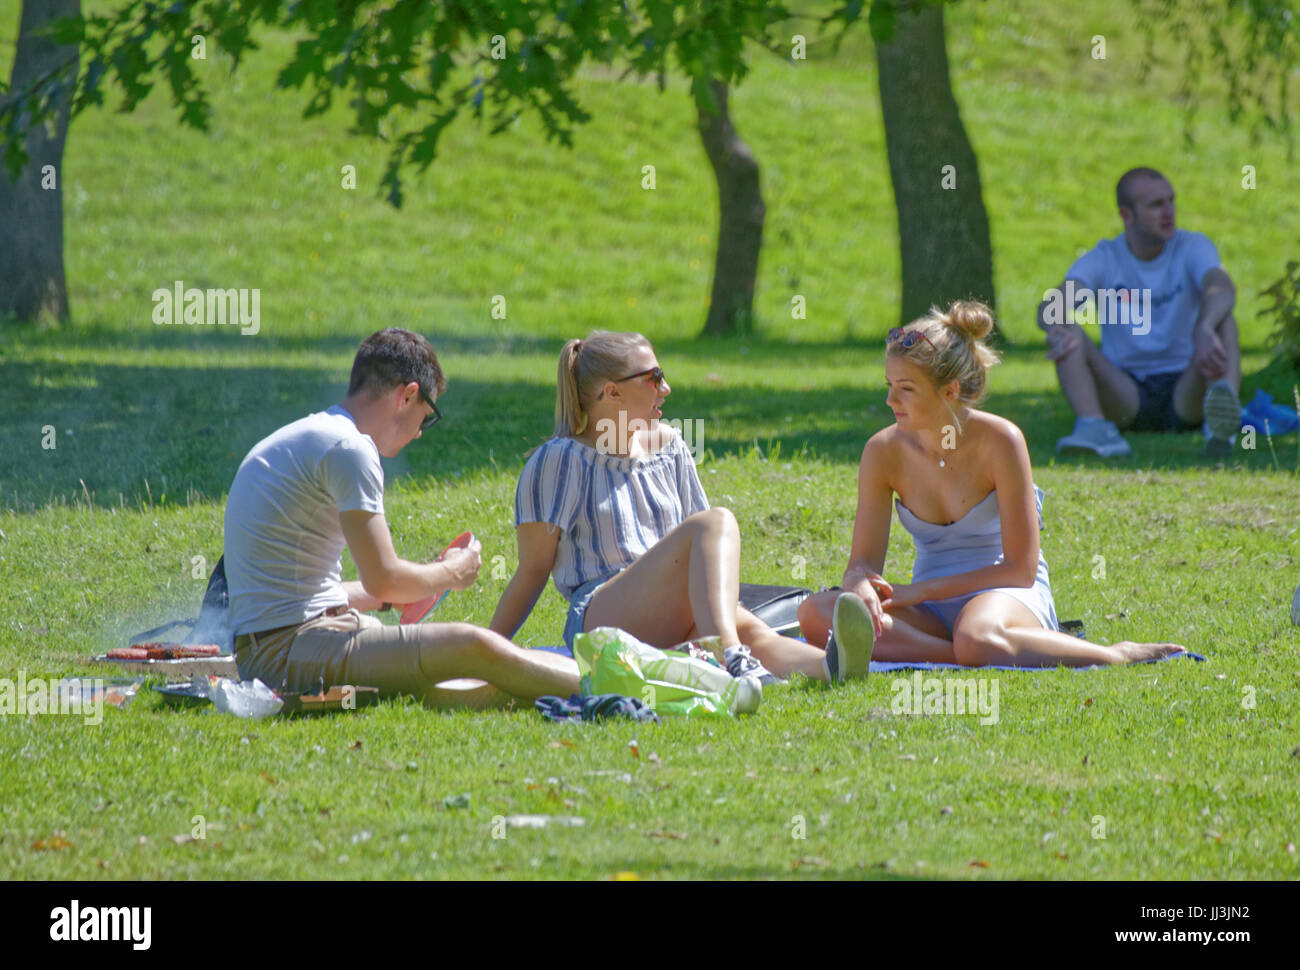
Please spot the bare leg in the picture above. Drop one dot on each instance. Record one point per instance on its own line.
(1189, 392)
(689, 580)
(995, 628)
(781, 655)
(1094, 387)
(909, 633)
(483, 697)
(449, 651)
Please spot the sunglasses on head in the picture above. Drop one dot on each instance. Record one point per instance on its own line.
(655, 373)
(431, 419)
(907, 339)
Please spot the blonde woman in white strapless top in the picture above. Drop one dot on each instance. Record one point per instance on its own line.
(979, 592)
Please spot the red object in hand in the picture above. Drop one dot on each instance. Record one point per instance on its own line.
(416, 612)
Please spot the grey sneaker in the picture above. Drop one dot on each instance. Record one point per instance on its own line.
(1222, 419)
(1097, 436)
(741, 663)
(848, 651)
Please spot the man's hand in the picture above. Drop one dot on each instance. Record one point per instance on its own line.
(1063, 339)
(463, 564)
(1210, 355)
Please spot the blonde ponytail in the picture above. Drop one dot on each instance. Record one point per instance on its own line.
(584, 365)
(570, 419)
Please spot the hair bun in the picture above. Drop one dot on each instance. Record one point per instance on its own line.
(973, 320)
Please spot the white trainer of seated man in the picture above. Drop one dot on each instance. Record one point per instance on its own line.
(1169, 358)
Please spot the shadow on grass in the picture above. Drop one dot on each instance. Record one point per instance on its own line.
(139, 431)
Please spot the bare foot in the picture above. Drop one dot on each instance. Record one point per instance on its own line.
(1137, 652)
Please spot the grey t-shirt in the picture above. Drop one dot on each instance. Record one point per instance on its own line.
(284, 539)
(1173, 280)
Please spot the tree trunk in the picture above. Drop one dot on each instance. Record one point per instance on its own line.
(32, 283)
(943, 230)
(740, 226)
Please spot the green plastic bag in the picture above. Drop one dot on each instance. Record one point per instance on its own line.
(612, 661)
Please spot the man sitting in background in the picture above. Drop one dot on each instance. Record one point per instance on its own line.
(1169, 358)
(317, 484)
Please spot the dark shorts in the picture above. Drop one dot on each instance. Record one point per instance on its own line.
(1156, 404)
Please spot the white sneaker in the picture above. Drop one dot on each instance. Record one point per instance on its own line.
(743, 695)
(1222, 419)
(1097, 436)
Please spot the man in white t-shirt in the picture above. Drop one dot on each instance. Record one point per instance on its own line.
(1169, 358)
(316, 485)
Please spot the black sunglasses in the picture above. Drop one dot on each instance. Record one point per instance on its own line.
(657, 373)
(431, 419)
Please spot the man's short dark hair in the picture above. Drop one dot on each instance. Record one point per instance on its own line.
(392, 357)
(1124, 187)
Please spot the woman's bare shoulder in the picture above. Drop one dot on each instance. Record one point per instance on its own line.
(996, 430)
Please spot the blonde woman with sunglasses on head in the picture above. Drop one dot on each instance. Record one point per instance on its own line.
(961, 481)
(613, 509)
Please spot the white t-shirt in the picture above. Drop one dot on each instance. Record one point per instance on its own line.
(1174, 281)
(610, 510)
(284, 540)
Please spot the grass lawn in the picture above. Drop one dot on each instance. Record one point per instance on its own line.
(1177, 770)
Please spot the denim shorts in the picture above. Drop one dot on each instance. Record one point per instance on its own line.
(578, 604)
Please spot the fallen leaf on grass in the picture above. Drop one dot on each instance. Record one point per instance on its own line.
(815, 862)
(1088, 702)
(663, 834)
(55, 842)
(561, 743)
(355, 745)
(1061, 855)
(632, 746)
(270, 779)
(977, 864)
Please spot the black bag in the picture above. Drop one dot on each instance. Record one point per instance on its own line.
(212, 625)
(777, 606)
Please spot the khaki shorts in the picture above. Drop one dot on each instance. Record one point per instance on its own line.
(349, 648)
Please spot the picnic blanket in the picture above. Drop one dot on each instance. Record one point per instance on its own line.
(888, 666)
